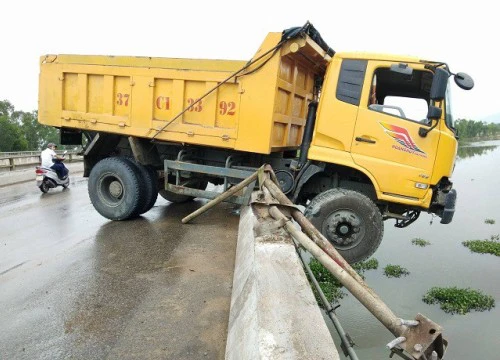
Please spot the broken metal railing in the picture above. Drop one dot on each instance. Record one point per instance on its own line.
(414, 339)
(346, 343)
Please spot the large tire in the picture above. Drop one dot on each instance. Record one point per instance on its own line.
(151, 187)
(178, 198)
(146, 191)
(349, 220)
(115, 188)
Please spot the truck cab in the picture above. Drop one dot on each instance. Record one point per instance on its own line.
(374, 114)
(383, 129)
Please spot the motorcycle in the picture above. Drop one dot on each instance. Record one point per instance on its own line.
(47, 178)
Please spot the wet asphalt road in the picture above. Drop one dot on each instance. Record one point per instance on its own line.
(74, 285)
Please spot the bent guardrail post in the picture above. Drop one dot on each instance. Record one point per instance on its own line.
(422, 337)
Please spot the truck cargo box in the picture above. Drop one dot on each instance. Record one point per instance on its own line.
(262, 109)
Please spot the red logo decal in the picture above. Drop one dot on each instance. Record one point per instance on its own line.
(402, 136)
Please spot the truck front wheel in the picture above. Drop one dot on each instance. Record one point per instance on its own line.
(115, 188)
(349, 220)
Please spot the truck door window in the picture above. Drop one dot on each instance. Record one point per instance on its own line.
(401, 95)
(414, 109)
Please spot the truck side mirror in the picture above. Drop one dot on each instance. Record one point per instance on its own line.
(464, 81)
(439, 84)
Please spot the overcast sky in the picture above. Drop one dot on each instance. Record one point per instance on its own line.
(463, 34)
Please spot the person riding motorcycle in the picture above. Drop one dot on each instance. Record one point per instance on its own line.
(53, 161)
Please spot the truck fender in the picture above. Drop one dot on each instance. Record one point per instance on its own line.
(304, 176)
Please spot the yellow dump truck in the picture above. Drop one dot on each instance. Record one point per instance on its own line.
(356, 138)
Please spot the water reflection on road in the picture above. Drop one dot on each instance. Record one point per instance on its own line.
(74, 285)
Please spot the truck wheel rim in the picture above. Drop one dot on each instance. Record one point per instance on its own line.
(344, 229)
(111, 190)
(115, 189)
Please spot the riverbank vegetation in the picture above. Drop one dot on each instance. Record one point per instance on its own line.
(472, 129)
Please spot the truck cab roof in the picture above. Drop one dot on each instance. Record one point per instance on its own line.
(377, 56)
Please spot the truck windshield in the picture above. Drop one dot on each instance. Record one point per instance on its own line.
(449, 112)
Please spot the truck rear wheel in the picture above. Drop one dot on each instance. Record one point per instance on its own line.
(349, 220)
(151, 184)
(115, 188)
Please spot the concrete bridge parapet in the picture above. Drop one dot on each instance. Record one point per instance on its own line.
(274, 314)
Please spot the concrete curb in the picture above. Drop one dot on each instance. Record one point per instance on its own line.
(20, 176)
(273, 314)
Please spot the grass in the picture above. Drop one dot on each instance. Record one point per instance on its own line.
(489, 221)
(395, 271)
(483, 246)
(454, 300)
(331, 287)
(420, 242)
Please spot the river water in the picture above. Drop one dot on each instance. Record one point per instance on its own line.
(446, 262)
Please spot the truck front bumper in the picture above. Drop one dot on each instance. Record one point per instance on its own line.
(450, 199)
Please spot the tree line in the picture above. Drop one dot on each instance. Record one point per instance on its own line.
(21, 131)
(470, 129)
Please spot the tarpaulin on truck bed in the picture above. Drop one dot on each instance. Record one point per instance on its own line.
(310, 30)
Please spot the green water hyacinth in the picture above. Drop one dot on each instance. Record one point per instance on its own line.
(395, 271)
(454, 300)
(330, 286)
(483, 246)
(420, 242)
(362, 266)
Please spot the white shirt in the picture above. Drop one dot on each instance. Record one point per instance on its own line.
(47, 156)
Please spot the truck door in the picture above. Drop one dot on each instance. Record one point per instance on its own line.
(393, 107)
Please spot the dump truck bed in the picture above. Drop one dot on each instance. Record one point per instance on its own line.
(262, 109)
